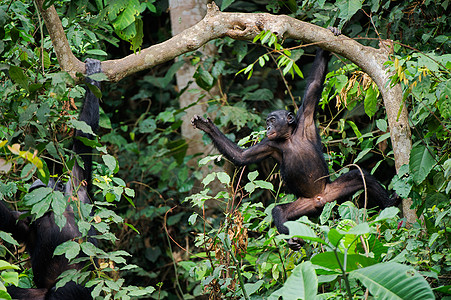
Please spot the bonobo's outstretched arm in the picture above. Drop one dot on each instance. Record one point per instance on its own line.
(229, 149)
(90, 115)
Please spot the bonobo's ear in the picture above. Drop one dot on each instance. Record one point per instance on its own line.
(290, 118)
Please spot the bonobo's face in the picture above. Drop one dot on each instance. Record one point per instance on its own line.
(279, 124)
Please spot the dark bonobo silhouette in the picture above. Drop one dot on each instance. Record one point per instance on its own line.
(42, 236)
(293, 141)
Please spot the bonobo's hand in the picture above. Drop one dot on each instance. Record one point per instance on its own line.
(202, 124)
(295, 244)
(334, 30)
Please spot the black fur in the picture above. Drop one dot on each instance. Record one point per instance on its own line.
(42, 236)
(295, 143)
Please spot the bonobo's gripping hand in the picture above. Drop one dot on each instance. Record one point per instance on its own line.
(206, 125)
(334, 30)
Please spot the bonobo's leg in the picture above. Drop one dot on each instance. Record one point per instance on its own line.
(349, 183)
(344, 186)
(26, 294)
(290, 211)
(70, 290)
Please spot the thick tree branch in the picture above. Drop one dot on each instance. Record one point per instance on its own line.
(68, 62)
(245, 26)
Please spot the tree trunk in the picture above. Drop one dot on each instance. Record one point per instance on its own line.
(185, 14)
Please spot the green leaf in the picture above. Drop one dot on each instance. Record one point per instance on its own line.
(5, 295)
(10, 277)
(147, 125)
(335, 236)
(444, 103)
(252, 175)
(302, 284)
(264, 184)
(354, 128)
(110, 162)
(7, 237)
(359, 229)
(204, 79)
(18, 76)
(348, 8)
(98, 52)
(137, 40)
(297, 70)
(362, 154)
(226, 3)
(58, 202)
(80, 125)
(298, 229)
(209, 178)
(353, 261)
(70, 249)
(387, 213)
(382, 125)
(36, 195)
(370, 102)
(250, 187)
(89, 248)
(7, 266)
(393, 281)
(421, 162)
(251, 288)
(223, 177)
(128, 14)
(327, 211)
(402, 185)
(266, 36)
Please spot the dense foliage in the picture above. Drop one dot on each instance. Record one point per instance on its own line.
(171, 234)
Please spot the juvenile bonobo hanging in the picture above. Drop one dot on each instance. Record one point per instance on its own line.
(42, 236)
(293, 141)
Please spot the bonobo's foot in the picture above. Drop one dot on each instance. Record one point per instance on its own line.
(334, 30)
(295, 244)
(201, 123)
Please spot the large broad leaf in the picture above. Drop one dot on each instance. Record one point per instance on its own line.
(300, 230)
(393, 281)
(353, 261)
(302, 284)
(348, 8)
(421, 162)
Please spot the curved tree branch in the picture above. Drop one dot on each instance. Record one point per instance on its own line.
(245, 26)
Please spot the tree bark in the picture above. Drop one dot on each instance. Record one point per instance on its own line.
(245, 26)
(184, 14)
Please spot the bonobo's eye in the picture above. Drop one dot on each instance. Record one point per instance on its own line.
(270, 120)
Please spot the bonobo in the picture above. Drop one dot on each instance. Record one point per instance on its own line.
(293, 141)
(42, 236)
